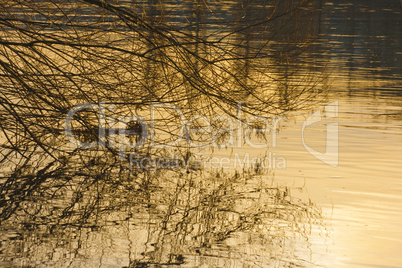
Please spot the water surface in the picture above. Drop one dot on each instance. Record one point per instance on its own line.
(303, 214)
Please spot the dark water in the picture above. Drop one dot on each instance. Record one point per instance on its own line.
(301, 214)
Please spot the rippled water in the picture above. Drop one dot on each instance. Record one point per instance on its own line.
(305, 213)
(360, 198)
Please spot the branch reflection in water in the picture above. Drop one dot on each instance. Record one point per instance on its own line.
(65, 206)
(96, 215)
